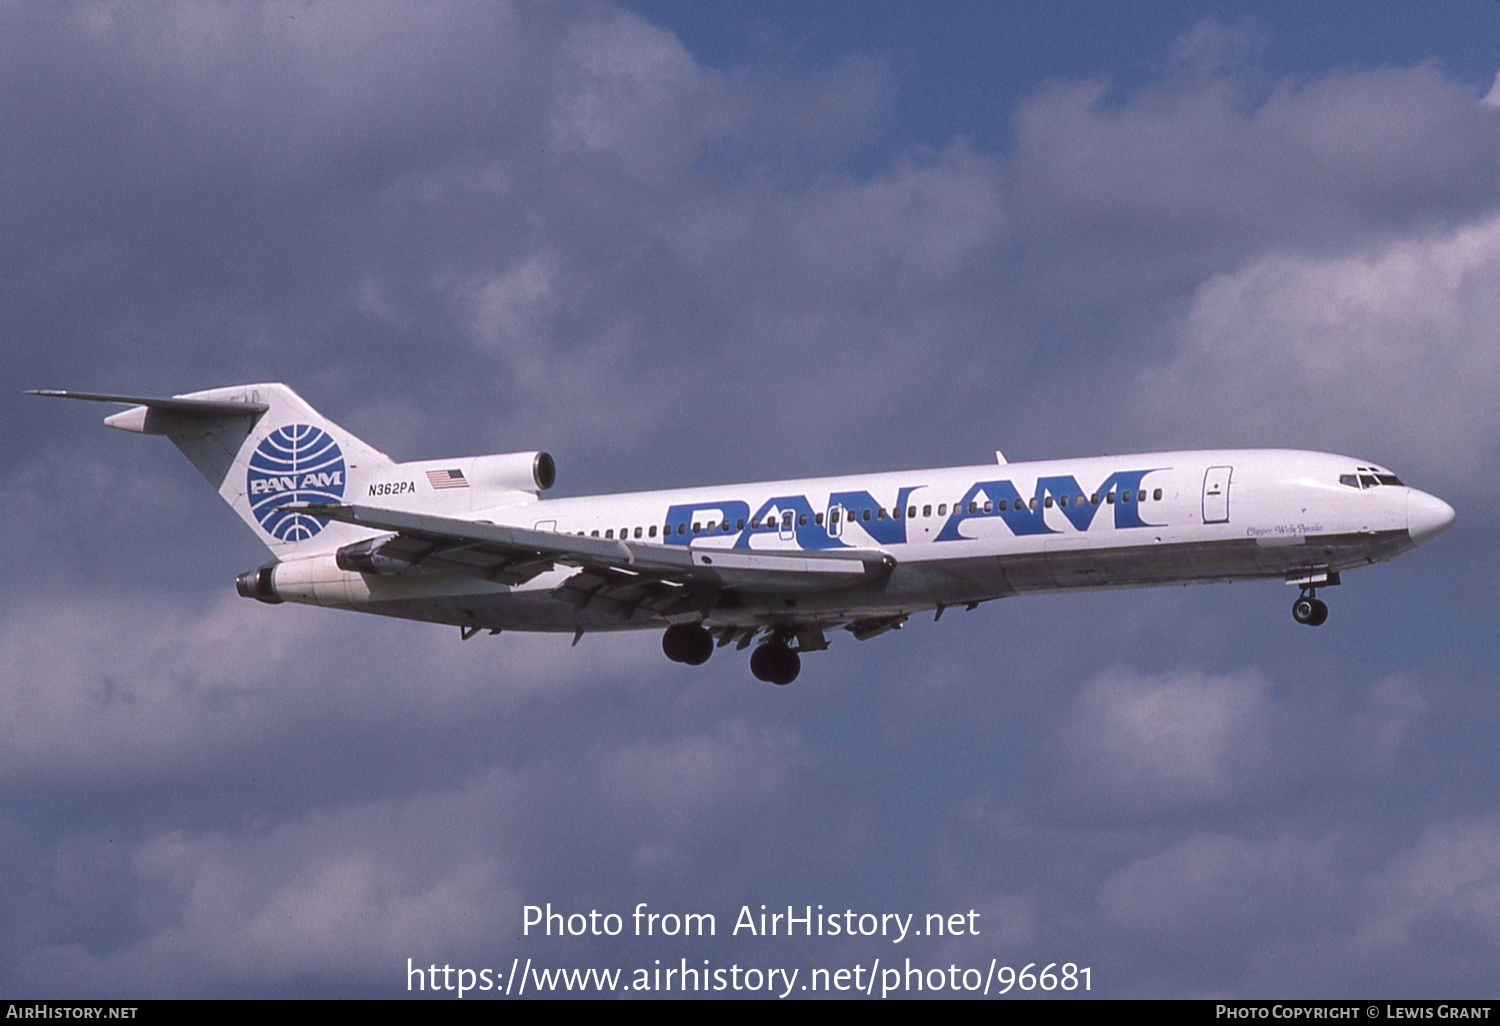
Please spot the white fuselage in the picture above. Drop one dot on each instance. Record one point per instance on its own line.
(957, 535)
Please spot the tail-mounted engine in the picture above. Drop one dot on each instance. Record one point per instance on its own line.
(259, 584)
(512, 472)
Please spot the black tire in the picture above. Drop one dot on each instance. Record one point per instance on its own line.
(1309, 611)
(687, 643)
(775, 663)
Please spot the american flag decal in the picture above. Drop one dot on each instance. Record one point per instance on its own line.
(440, 479)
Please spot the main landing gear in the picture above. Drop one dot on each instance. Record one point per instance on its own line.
(1309, 610)
(687, 643)
(774, 662)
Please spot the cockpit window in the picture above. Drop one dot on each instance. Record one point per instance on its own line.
(1368, 478)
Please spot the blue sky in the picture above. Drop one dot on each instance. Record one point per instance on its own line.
(680, 244)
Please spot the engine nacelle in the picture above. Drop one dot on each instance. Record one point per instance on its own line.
(259, 584)
(513, 472)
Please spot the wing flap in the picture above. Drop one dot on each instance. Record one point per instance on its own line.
(512, 555)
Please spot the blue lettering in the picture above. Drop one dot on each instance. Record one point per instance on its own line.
(804, 526)
(728, 511)
(890, 531)
(1005, 503)
(1028, 518)
(1127, 514)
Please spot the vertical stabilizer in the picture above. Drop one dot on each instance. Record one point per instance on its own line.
(261, 447)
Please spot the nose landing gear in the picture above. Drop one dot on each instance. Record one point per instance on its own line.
(1309, 610)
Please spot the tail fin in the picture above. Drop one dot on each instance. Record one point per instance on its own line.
(261, 447)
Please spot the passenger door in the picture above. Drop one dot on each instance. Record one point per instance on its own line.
(1216, 495)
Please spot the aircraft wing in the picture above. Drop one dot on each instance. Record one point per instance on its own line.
(663, 578)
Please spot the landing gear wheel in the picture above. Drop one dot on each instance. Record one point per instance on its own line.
(687, 643)
(1310, 611)
(775, 663)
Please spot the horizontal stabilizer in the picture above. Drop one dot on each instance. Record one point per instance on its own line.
(202, 407)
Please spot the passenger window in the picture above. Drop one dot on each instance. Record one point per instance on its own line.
(637, 532)
(1156, 495)
(989, 506)
(942, 509)
(833, 515)
(1047, 503)
(786, 519)
(911, 512)
(802, 520)
(926, 511)
(973, 508)
(896, 513)
(697, 527)
(818, 519)
(864, 515)
(593, 534)
(610, 533)
(682, 527)
(1062, 500)
(1094, 498)
(652, 532)
(739, 525)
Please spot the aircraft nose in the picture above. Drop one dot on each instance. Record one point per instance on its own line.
(1427, 516)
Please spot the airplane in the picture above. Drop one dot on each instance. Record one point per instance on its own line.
(470, 542)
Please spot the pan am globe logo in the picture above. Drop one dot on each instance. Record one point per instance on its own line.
(296, 463)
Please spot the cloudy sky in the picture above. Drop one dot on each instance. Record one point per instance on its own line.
(684, 243)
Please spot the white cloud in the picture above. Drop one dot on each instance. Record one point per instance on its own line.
(347, 895)
(630, 89)
(1136, 744)
(103, 693)
(1492, 98)
(1392, 353)
(1214, 891)
(1452, 873)
(1198, 172)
